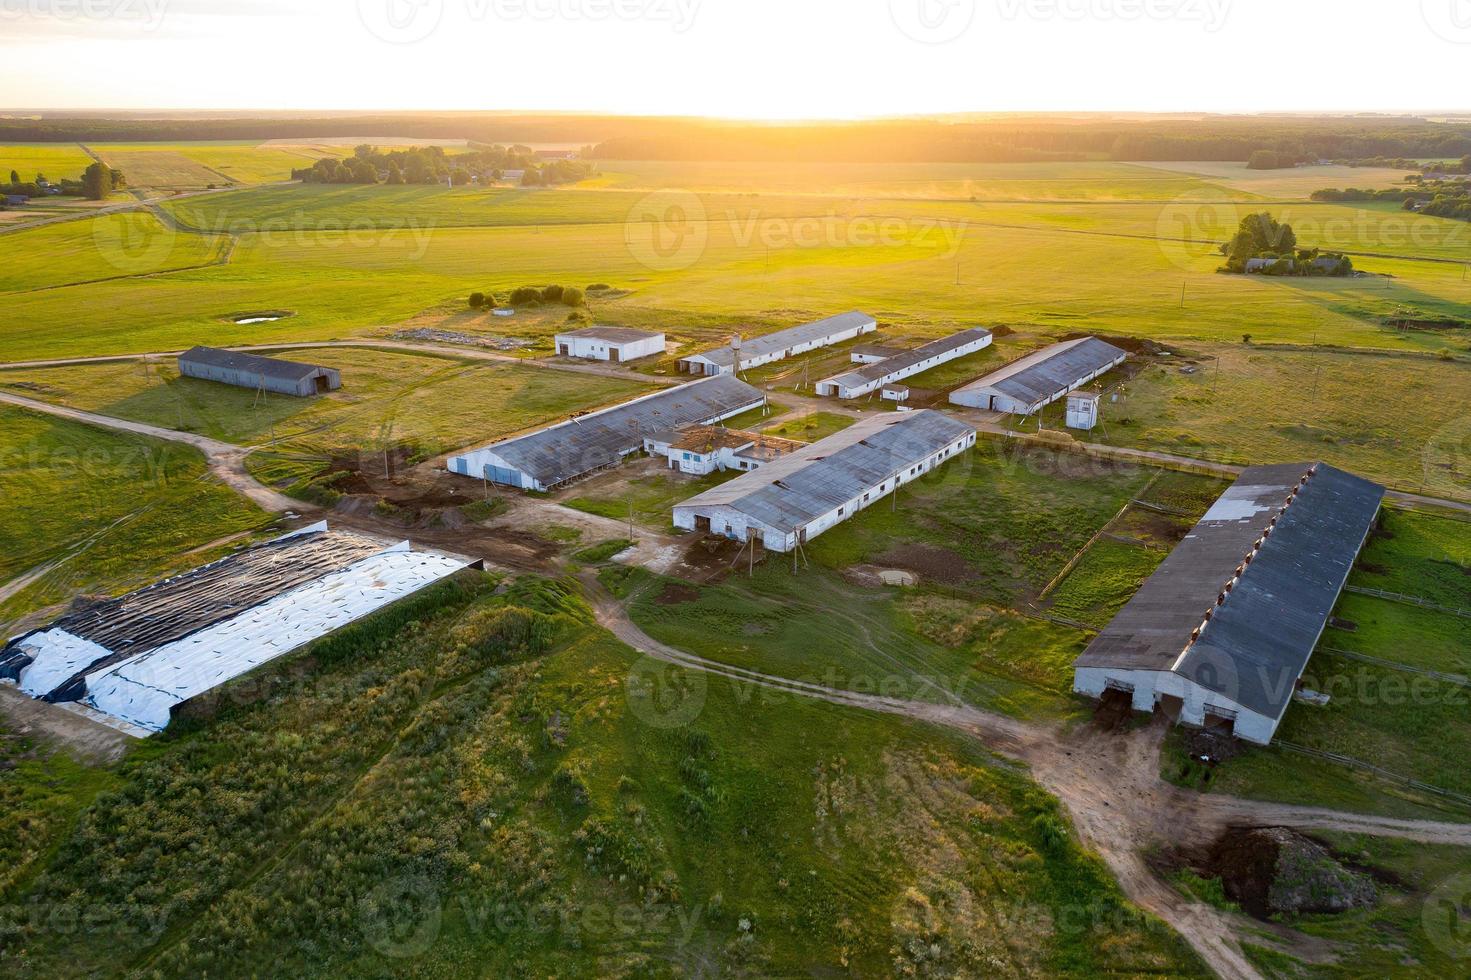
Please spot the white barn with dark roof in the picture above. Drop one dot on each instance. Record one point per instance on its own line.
(1224, 628)
(584, 444)
(793, 499)
(1030, 383)
(616, 344)
(780, 345)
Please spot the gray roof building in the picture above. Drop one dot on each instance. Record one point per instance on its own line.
(1228, 621)
(796, 497)
(581, 445)
(254, 371)
(861, 380)
(783, 343)
(614, 335)
(1041, 377)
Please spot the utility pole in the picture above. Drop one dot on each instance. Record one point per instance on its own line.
(1182, 293)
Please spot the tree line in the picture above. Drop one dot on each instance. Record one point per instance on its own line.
(96, 183)
(431, 165)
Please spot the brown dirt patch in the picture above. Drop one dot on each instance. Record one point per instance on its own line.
(676, 593)
(931, 563)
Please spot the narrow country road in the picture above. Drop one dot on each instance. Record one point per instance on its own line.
(1109, 784)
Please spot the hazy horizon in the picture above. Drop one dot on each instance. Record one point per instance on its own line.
(753, 60)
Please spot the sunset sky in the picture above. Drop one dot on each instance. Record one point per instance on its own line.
(746, 58)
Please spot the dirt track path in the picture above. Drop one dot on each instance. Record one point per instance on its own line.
(1110, 786)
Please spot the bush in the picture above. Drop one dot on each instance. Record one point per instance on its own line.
(552, 294)
(477, 300)
(572, 296)
(598, 287)
(524, 295)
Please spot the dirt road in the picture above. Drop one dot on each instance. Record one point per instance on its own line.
(1109, 785)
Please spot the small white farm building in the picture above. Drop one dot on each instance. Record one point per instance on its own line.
(261, 373)
(610, 343)
(781, 344)
(871, 377)
(793, 499)
(584, 444)
(1222, 631)
(1029, 383)
(704, 449)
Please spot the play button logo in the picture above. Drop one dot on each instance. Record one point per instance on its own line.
(400, 21)
(1450, 19)
(932, 21)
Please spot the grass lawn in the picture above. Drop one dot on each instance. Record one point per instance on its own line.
(1399, 420)
(55, 161)
(491, 808)
(1108, 575)
(127, 244)
(431, 404)
(102, 512)
(811, 426)
(996, 523)
(332, 253)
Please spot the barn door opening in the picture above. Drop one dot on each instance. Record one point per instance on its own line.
(565, 350)
(702, 523)
(612, 353)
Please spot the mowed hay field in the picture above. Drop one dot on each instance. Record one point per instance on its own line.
(183, 166)
(82, 509)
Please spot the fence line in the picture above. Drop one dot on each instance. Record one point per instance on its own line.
(1369, 767)
(1411, 600)
(1457, 679)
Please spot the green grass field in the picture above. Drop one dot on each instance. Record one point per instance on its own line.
(133, 243)
(810, 426)
(54, 160)
(199, 164)
(86, 510)
(1395, 419)
(475, 804)
(341, 251)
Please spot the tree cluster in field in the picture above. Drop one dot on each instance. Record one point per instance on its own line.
(1261, 236)
(96, 183)
(431, 165)
(532, 296)
(1444, 198)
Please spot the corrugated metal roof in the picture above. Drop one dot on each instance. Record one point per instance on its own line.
(569, 449)
(1042, 374)
(1260, 636)
(613, 335)
(790, 337)
(271, 367)
(795, 490)
(870, 373)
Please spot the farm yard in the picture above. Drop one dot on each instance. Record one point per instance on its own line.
(518, 735)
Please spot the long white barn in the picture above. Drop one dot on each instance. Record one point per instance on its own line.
(781, 344)
(551, 456)
(1035, 381)
(793, 499)
(873, 376)
(1223, 629)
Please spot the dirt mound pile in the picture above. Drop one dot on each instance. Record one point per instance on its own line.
(1276, 870)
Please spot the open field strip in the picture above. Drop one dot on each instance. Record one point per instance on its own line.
(53, 160)
(101, 510)
(186, 164)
